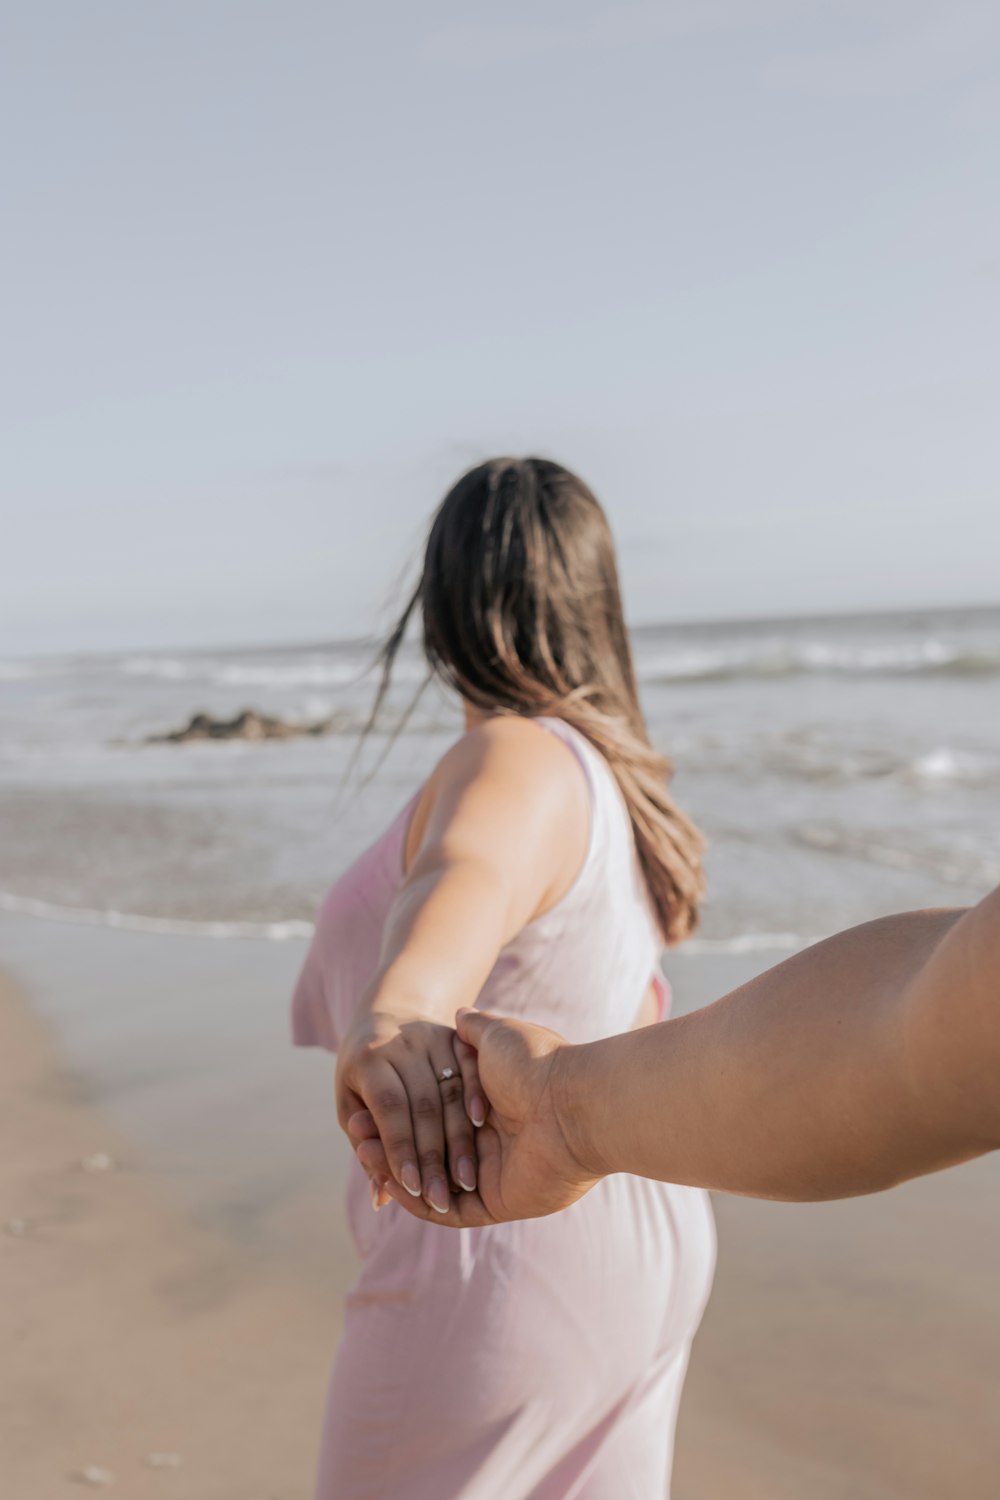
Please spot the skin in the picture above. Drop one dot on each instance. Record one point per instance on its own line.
(865, 1060)
(496, 839)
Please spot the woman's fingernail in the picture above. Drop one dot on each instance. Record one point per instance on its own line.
(477, 1112)
(376, 1196)
(466, 1172)
(438, 1195)
(410, 1178)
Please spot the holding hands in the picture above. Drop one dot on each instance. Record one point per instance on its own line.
(418, 1085)
(894, 1024)
(528, 1162)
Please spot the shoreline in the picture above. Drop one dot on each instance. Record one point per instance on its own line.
(286, 929)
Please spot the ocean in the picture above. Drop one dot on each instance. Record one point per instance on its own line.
(841, 767)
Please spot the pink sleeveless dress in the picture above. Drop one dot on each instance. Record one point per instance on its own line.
(540, 1360)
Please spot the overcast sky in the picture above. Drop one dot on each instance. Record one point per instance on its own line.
(272, 274)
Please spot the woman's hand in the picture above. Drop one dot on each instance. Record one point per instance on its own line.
(530, 1163)
(419, 1083)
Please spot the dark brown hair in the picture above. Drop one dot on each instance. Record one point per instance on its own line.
(522, 614)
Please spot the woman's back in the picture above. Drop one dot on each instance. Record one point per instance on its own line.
(540, 1359)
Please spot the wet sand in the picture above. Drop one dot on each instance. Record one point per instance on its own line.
(187, 1303)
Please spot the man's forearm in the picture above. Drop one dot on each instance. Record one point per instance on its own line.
(821, 1078)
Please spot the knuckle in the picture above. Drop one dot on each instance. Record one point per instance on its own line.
(398, 1145)
(452, 1091)
(432, 1159)
(386, 1101)
(426, 1108)
(461, 1145)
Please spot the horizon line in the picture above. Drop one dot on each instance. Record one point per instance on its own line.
(638, 627)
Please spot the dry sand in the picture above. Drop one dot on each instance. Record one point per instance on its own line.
(851, 1351)
(127, 1332)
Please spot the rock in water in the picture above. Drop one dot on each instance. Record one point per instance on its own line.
(248, 725)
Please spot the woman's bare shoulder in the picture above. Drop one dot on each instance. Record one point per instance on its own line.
(506, 767)
(519, 754)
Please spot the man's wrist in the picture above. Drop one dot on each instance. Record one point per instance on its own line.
(574, 1083)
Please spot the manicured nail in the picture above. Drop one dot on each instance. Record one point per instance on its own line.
(376, 1196)
(466, 1172)
(410, 1178)
(438, 1195)
(477, 1111)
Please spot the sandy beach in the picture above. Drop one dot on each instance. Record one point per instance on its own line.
(140, 1350)
(187, 1303)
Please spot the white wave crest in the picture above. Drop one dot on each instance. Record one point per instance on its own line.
(306, 671)
(775, 658)
(944, 766)
(292, 674)
(901, 656)
(168, 668)
(939, 765)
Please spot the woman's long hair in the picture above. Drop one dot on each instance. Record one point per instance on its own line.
(521, 612)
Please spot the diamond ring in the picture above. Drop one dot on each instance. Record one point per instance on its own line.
(445, 1074)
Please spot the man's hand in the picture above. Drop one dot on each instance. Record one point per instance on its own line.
(528, 1164)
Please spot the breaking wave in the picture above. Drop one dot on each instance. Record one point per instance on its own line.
(310, 670)
(932, 658)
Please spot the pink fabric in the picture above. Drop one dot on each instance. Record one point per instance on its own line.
(535, 1361)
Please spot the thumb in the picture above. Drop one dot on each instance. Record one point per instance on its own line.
(472, 1025)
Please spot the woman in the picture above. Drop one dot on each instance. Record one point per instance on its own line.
(541, 868)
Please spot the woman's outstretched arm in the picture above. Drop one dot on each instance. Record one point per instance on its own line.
(866, 1059)
(497, 836)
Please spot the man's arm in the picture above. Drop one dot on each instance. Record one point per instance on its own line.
(866, 1059)
(862, 1061)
